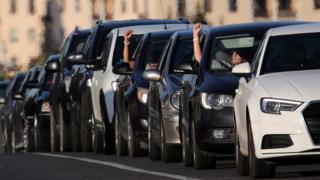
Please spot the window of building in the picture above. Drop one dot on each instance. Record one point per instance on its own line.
(134, 6)
(285, 8)
(95, 9)
(123, 6)
(13, 6)
(32, 36)
(207, 5)
(13, 34)
(77, 6)
(108, 8)
(31, 7)
(181, 8)
(233, 7)
(316, 4)
(260, 8)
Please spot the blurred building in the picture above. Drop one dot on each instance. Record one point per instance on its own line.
(21, 26)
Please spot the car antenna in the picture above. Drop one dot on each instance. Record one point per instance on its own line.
(164, 21)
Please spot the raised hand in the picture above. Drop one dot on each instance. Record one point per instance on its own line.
(128, 35)
(196, 29)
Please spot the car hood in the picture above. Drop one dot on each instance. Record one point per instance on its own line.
(294, 85)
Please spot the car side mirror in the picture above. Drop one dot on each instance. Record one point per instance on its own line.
(243, 70)
(2, 100)
(75, 59)
(122, 69)
(151, 75)
(52, 66)
(185, 68)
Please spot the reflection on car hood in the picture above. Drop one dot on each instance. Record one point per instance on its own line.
(295, 85)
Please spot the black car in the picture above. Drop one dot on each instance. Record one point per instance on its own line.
(131, 118)
(206, 98)
(37, 109)
(13, 119)
(70, 54)
(3, 87)
(29, 94)
(81, 92)
(163, 97)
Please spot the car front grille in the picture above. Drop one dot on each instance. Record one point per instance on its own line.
(312, 117)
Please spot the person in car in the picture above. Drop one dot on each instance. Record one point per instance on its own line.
(152, 61)
(127, 37)
(237, 57)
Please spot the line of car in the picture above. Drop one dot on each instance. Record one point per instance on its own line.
(170, 106)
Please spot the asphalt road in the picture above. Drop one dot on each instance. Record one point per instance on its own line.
(90, 166)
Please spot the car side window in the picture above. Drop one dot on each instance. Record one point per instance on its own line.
(255, 63)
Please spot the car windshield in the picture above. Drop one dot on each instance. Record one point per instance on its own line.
(153, 54)
(292, 53)
(118, 52)
(223, 48)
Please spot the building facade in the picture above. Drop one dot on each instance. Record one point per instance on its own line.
(21, 26)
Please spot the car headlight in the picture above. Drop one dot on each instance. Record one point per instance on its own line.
(174, 100)
(216, 101)
(45, 107)
(143, 95)
(275, 106)
(114, 85)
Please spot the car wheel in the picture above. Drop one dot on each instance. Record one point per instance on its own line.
(200, 159)
(54, 139)
(242, 163)
(97, 139)
(169, 152)
(75, 133)
(153, 147)
(258, 167)
(40, 136)
(121, 144)
(64, 132)
(86, 134)
(134, 148)
(187, 157)
(28, 137)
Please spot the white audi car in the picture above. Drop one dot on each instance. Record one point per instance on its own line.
(277, 104)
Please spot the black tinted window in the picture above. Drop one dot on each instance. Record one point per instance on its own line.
(153, 53)
(3, 88)
(292, 53)
(183, 52)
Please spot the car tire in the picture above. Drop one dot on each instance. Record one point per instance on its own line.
(121, 144)
(258, 167)
(86, 135)
(29, 137)
(97, 139)
(242, 163)
(108, 134)
(153, 147)
(134, 148)
(64, 132)
(75, 136)
(187, 156)
(40, 136)
(200, 159)
(169, 152)
(54, 138)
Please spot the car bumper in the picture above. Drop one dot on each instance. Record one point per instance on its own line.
(209, 124)
(292, 125)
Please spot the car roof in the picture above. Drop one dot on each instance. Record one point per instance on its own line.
(296, 29)
(123, 23)
(254, 27)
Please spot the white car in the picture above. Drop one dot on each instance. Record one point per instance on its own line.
(277, 107)
(104, 80)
